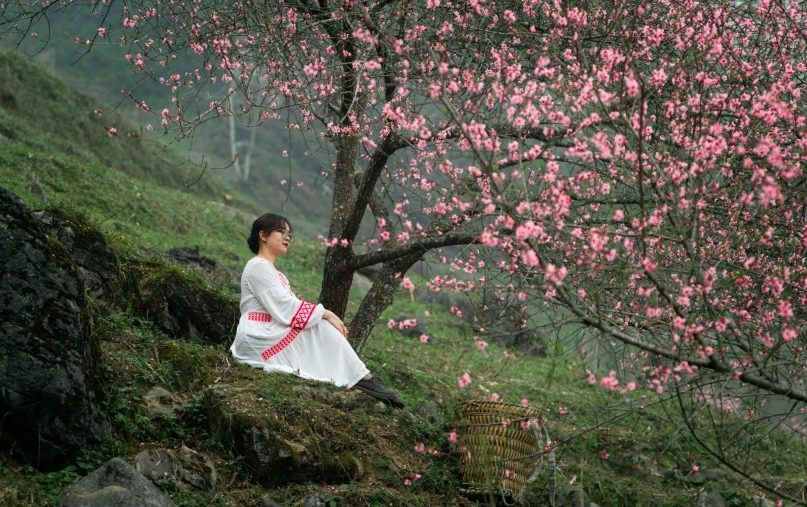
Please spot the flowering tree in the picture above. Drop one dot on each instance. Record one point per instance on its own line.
(646, 157)
(632, 168)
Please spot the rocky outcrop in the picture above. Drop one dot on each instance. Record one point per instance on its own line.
(48, 356)
(97, 264)
(158, 403)
(272, 452)
(115, 483)
(181, 304)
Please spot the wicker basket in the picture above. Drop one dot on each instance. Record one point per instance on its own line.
(496, 456)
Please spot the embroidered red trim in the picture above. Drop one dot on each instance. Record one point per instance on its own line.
(282, 344)
(260, 317)
(303, 315)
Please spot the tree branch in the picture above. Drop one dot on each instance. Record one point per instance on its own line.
(422, 246)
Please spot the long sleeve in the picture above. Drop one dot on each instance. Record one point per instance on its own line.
(279, 301)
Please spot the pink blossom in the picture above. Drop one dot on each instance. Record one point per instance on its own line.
(465, 380)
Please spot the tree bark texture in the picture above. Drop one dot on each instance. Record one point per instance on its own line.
(378, 299)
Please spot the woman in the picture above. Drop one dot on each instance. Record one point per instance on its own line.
(281, 333)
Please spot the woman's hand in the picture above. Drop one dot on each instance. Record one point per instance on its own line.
(335, 321)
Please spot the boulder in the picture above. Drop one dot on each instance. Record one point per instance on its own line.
(192, 257)
(48, 356)
(115, 483)
(269, 502)
(272, 454)
(184, 464)
(159, 403)
(181, 304)
(98, 266)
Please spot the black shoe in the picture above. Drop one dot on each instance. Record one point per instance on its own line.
(397, 402)
(376, 389)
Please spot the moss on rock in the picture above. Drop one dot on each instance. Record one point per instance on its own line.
(274, 452)
(181, 304)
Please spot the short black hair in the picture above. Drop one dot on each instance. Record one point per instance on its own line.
(267, 223)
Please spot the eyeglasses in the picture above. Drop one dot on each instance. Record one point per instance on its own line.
(286, 234)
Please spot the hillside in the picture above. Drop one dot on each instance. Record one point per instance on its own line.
(620, 449)
(102, 75)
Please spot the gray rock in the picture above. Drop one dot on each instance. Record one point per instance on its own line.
(181, 304)
(98, 267)
(313, 501)
(115, 483)
(160, 403)
(190, 256)
(568, 495)
(268, 502)
(48, 353)
(408, 415)
(184, 464)
(709, 499)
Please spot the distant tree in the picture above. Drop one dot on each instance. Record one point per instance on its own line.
(633, 169)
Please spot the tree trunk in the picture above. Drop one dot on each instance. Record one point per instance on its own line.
(378, 299)
(337, 278)
(248, 161)
(233, 147)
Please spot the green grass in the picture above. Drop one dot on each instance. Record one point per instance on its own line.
(143, 212)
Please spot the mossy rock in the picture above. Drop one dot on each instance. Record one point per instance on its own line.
(274, 453)
(193, 366)
(48, 353)
(181, 304)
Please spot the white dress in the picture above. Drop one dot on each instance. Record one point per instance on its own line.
(280, 333)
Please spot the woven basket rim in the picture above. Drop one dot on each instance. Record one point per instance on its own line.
(494, 407)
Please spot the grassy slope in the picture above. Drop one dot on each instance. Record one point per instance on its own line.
(103, 73)
(151, 213)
